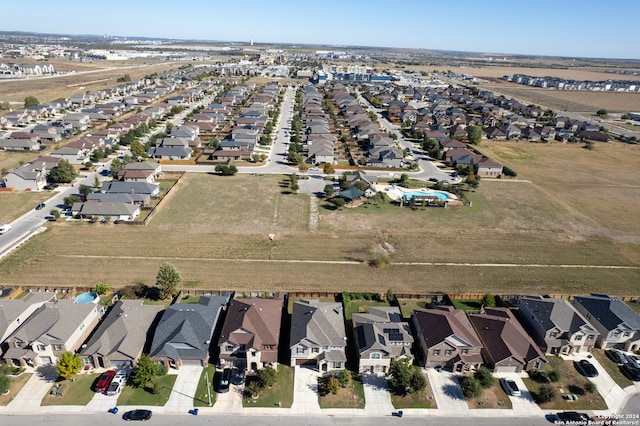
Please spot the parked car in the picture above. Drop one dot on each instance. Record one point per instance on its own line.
(616, 356)
(634, 360)
(40, 206)
(225, 379)
(630, 372)
(586, 368)
(237, 377)
(4, 228)
(573, 418)
(510, 387)
(137, 415)
(117, 383)
(105, 380)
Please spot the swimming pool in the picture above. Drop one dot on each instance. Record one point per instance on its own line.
(439, 195)
(88, 297)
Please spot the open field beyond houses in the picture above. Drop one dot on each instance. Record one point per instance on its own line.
(580, 210)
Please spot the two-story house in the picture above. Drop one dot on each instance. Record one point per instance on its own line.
(447, 339)
(556, 326)
(382, 336)
(251, 333)
(618, 324)
(318, 336)
(14, 312)
(54, 328)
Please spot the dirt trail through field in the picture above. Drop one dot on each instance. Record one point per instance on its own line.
(313, 214)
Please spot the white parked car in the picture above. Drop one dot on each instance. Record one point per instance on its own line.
(4, 228)
(510, 387)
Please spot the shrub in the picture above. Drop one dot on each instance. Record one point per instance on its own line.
(471, 387)
(538, 376)
(5, 382)
(484, 377)
(253, 388)
(590, 387)
(333, 385)
(380, 261)
(101, 288)
(344, 378)
(267, 376)
(554, 375)
(546, 393)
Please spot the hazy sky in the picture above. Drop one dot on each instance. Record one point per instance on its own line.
(579, 28)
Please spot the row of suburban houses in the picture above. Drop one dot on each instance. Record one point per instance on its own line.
(40, 327)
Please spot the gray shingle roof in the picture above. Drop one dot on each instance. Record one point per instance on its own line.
(609, 311)
(320, 322)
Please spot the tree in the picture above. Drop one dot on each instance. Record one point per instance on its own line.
(546, 393)
(474, 133)
(404, 179)
(69, 364)
(337, 201)
(116, 166)
(554, 375)
(328, 169)
(267, 376)
(418, 381)
(125, 78)
(471, 388)
(484, 377)
(137, 149)
(84, 190)
(403, 376)
(344, 377)
(253, 388)
(361, 185)
(333, 386)
(601, 113)
(225, 170)
(295, 187)
(7, 106)
(145, 371)
(488, 300)
(101, 288)
(70, 200)
(167, 280)
(328, 190)
(31, 101)
(63, 172)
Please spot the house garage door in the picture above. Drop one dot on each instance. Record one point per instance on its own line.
(192, 362)
(120, 364)
(306, 362)
(507, 369)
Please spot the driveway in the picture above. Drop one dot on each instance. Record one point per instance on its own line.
(376, 395)
(447, 393)
(305, 391)
(230, 402)
(523, 405)
(33, 391)
(184, 389)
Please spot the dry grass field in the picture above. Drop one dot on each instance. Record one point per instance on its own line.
(87, 77)
(556, 234)
(576, 73)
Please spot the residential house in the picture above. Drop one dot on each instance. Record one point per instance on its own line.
(10, 144)
(54, 328)
(486, 167)
(506, 346)
(150, 189)
(382, 336)
(30, 177)
(183, 335)
(72, 155)
(318, 336)
(618, 324)
(556, 326)
(14, 312)
(251, 333)
(110, 211)
(446, 338)
(119, 340)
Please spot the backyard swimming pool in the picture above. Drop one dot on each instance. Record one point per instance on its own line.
(88, 297)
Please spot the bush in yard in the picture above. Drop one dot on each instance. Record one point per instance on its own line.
(546, 393)
(344, 377)
(5, 382)
(488, 300)
(102, 288)
(471, 388)
(253, 389)
(554, 375)
(333, 385)
(538, 376)
(267, 376)
(590, 387)
(418, 381)
(484, 377)
(69, 364)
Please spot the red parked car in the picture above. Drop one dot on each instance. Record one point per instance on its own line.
(105, 380)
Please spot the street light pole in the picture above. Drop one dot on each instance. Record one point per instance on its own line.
(206, 378)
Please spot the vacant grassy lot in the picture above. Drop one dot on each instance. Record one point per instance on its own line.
(15, 204)
(571, 229)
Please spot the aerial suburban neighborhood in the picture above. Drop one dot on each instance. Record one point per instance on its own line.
(316, 231)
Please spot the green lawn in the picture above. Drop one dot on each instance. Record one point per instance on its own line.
(407, 306)
(351, 396)
(141, 396)
(361, 306)
(280, 395)
(467, 305)
(612, 368)
(77, 392)
(201, 398)
(420, 399)
(17, 382)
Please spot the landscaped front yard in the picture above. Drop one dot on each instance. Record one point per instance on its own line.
(17, 382)
(201, 398)
(76, 392)
(279, 395)
(420, 399)
(142, 396)
(570, 382)
(493, 397)
(350, 396)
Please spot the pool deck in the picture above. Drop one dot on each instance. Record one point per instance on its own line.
(392, 191)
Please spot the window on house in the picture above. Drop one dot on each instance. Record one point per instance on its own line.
(465, 351)
(337, 365)
(300, 350)
(41, 348)
(536, 365)
(18, 344)
(228, 348)
(436, 351)
(376, 355)
(448, 352)
(554, 334)
(590, 337)
(268, 347)
(626, 334)
(57, 347)
(315, 350)
(578, 337)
